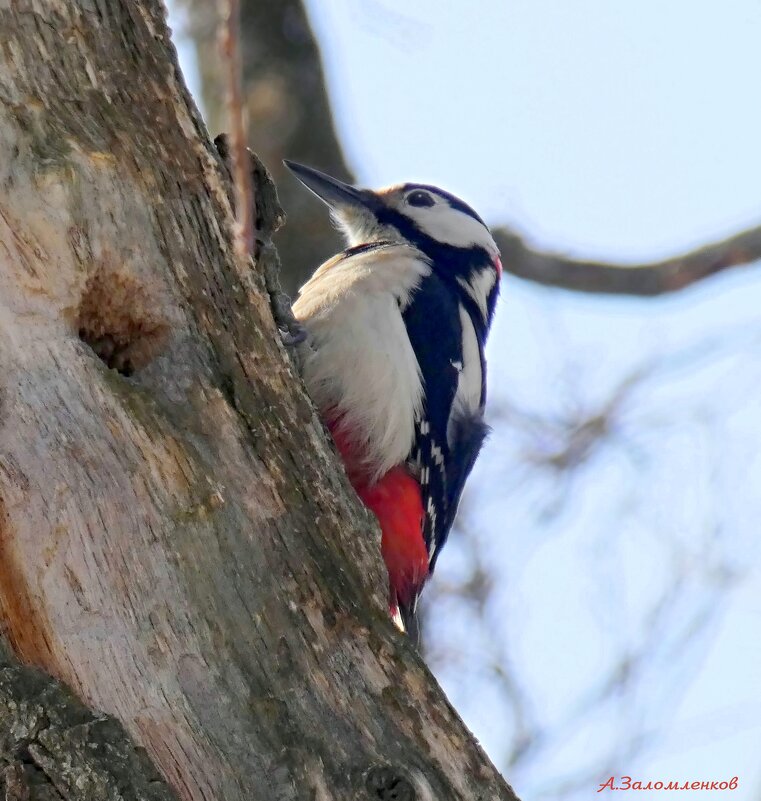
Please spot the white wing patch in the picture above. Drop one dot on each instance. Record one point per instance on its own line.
(431, 473)
(358, 359)
(432, 518)
(467, 398)
(436, 454)
(479, 288)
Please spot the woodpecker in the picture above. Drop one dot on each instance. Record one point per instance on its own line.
(394, 360)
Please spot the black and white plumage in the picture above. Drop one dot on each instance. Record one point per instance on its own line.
(394, 357)
(450, 430)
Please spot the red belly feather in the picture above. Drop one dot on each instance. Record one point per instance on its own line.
(396, 501)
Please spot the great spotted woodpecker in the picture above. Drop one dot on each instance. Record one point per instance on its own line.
(394, 359)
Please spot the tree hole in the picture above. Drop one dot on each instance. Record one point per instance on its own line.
(386, 784)
(120, 321)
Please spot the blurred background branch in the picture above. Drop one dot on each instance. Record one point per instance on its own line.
(656, 278)
(285, 92)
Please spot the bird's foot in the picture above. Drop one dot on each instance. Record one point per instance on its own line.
(292, 332)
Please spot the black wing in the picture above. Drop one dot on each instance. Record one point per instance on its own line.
(446, 442)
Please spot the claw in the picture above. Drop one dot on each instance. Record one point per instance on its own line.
(293, 336)
(291, 330)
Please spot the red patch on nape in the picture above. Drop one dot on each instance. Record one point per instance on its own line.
(498, 265)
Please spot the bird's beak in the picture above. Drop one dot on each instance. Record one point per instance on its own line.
(331, 191)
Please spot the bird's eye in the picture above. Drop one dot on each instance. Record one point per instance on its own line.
(420, 198)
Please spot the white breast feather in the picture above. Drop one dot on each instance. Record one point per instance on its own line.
(467, 399)
(358, 359)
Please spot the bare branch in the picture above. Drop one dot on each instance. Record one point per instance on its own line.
(229, 38)
(644, 280)
(285, 96)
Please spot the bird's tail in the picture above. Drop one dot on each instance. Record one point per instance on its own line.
(408, 618)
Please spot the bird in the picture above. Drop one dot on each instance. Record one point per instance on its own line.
(393, 357)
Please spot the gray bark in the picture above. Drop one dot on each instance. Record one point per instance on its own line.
(177, 541)
(52, 747)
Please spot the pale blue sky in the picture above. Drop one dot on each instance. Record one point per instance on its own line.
(618, 128)
(622, 130)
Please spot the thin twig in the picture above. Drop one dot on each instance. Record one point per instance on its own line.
(229, 40)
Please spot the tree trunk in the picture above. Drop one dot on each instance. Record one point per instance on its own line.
(177, 541)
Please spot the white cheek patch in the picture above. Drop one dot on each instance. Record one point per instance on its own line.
(451, 226)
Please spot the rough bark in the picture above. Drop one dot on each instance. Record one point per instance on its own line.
(52, 747)
(177, 542)
(289, 112)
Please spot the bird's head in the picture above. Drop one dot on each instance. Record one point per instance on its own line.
(442, 226)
